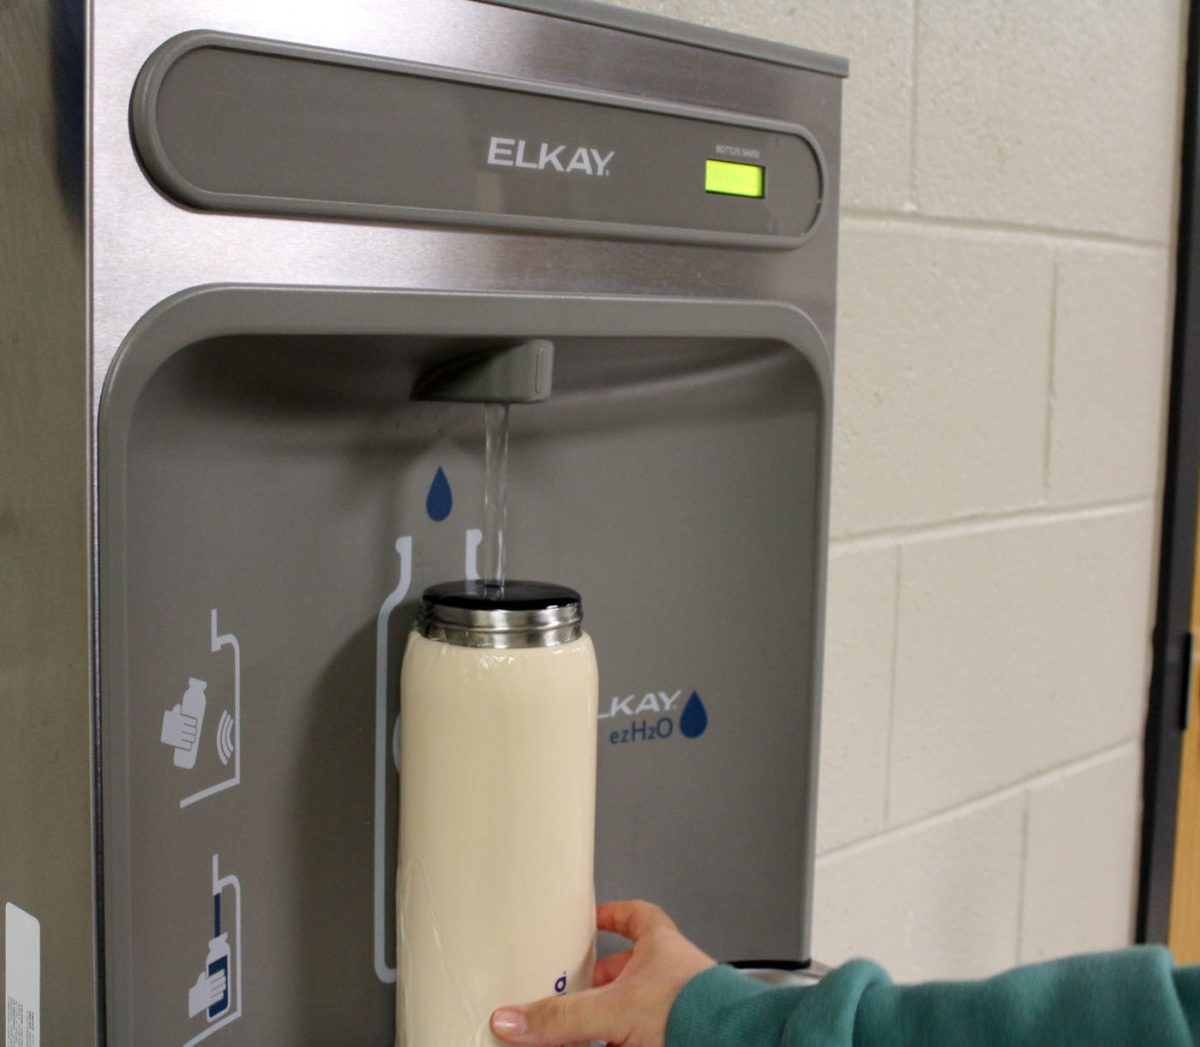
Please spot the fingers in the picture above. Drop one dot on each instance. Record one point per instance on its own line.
(610, 968)
(631, 919)
(591, 1015)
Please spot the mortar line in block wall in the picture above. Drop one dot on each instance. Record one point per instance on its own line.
(1022, 876)
(985, 523)
(1051, 352)
(931, 820)
(887, 766)
(882, 220)
(912, 203)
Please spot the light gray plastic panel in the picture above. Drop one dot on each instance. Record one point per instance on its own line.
(272, 503)
(230, 123)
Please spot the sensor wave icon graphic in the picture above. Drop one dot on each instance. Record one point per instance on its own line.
(225, 741)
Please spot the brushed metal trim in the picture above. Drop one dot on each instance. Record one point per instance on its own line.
(779, 978)
(497, 639)
(674, 29)
(501, 628)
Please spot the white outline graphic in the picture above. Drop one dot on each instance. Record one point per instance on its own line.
(474, 538)
(219, 884)
(228, 640)
(383, 971)
(225, 738)
(183, 726)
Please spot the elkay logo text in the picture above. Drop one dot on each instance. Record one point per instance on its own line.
(516, 152)
(661, 724)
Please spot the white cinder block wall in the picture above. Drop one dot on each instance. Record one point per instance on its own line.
(1008, 195)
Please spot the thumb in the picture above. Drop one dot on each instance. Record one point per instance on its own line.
(589, 1015)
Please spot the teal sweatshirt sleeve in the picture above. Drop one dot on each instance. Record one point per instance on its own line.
(1131, 997)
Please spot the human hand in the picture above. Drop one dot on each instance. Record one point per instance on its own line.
(208, 990)
(633, 990)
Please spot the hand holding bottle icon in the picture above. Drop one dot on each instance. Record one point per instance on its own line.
(210, 991)
(219, 984)
(179, 729)
(181, 726)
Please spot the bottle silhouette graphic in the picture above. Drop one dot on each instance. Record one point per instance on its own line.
(694, 720)
(194, 703)
(440, 499)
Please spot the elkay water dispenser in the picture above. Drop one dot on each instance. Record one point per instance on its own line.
(231, 256)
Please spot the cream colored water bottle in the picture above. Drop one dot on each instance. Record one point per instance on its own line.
(495, 897)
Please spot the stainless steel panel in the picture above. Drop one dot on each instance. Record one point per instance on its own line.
(74, 287)
(643, 24)
(147, 248)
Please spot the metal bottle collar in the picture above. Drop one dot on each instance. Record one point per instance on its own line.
(485, 615)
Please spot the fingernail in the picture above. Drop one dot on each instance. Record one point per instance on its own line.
(509, 1023)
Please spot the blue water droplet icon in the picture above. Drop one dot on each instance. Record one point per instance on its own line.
(694, 720)
(440, 500)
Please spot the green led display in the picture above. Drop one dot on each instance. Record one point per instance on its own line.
(721, 176)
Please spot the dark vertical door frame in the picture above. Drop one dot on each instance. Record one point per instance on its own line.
(1167, 715)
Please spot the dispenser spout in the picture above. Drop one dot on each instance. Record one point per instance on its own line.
(517, 374)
